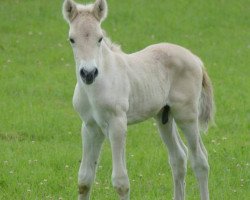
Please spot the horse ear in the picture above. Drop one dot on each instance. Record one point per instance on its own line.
(69, 10)
(100, 9)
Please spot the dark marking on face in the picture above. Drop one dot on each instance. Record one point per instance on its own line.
(165, 114)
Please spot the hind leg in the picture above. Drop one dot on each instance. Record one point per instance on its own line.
(177, 155)
(187, 119)
(203, 147)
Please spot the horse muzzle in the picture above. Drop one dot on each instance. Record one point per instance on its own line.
(88, 77)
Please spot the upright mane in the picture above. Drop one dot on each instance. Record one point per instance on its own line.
(113, 46)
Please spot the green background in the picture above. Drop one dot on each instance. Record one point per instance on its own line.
(40, 143)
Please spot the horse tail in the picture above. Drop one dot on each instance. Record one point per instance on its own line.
(206, 107)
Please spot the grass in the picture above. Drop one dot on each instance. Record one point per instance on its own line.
(40, 144)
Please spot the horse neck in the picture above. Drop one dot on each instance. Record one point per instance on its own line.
(107, 55)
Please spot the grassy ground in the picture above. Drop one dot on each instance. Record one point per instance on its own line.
(40, 144)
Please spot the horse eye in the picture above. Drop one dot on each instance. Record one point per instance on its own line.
(100, 40)
(72, 41)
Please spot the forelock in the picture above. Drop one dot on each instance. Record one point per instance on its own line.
(86, 10)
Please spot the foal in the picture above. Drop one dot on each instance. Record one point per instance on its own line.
(114, 89)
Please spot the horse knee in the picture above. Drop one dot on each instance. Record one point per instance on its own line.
(84, 185)
(121, 185)
(83, 189)
(122, 190)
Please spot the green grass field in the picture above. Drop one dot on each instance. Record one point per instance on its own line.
(40, 143)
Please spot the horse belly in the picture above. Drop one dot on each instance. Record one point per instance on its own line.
(146, 104)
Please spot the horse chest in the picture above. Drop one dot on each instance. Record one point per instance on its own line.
(93, 107)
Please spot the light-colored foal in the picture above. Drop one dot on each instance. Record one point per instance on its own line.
(114, 89)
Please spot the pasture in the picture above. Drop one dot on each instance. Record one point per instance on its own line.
(40, 142)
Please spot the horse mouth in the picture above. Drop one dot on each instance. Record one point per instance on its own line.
(88, 80)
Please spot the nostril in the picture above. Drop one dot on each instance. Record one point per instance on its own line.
(96, 72)
(83, 73)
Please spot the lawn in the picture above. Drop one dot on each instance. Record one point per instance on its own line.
(40, 142)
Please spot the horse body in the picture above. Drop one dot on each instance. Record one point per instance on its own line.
(114, 89)
(143, 87)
